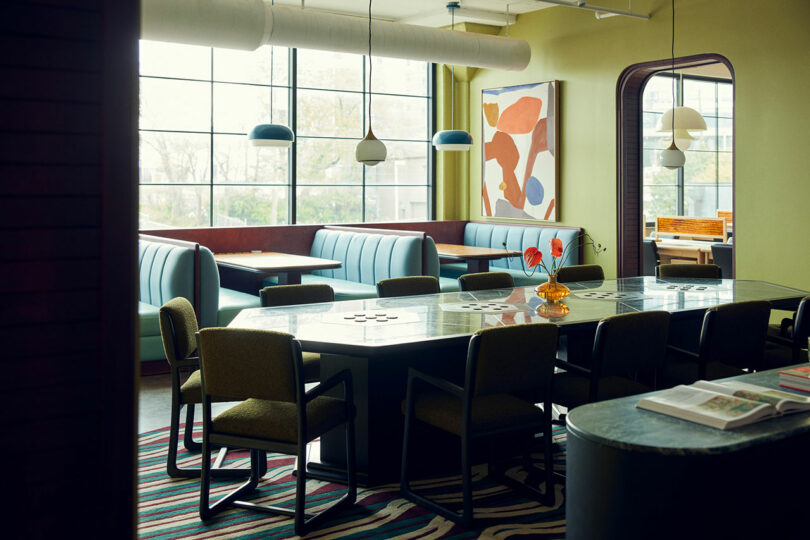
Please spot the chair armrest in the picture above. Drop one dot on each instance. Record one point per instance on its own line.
(684, 352)
(568, 366)
(336, 379)
(441, 384)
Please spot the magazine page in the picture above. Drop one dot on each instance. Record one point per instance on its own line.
(709, 408)
(783, 401)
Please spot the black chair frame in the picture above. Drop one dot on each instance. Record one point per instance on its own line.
(467, 437)
(304, 522)
(797, 329)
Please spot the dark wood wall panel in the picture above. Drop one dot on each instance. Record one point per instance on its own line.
(68, 190)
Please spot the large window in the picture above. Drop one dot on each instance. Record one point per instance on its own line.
(197, 168)
(703, 184)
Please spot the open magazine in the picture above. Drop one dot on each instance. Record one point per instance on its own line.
(724, 405)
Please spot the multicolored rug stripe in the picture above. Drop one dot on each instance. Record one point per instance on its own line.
(168, 508)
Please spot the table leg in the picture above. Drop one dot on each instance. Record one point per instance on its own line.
(291, 277)
(475, 266)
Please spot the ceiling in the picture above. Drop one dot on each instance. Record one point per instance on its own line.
(424, 12)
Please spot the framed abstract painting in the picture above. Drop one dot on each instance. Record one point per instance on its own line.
(519, 167)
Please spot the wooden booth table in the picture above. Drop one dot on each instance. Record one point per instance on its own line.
(261, 264)
(672, 250)
(477, 257)
(379, 339)
(637, 474)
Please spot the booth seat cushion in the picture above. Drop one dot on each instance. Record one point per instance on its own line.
(231, 302)
(151, 344)
(518, 238)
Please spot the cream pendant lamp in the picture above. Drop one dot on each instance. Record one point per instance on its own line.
(452, 139)
(370, 151)
(271, 134)
(672, 157)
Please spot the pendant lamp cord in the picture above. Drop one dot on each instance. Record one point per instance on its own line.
(369, 64)
(453, 74)
(672, 52)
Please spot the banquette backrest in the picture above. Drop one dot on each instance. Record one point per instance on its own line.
(368, 257)
(518, 237)
(167, 269)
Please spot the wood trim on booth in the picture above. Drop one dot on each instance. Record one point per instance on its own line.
(629, 155)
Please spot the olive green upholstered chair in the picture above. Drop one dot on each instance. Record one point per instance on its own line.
(628, 355)
(580, 272)
(787, 342)
(407, 286)
(508, 369)
(178, 326)
(486, 280)
(732, 342)
(289, 295)
(708, 271)
(264, 370)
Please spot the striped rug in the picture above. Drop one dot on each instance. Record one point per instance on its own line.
(168, 508)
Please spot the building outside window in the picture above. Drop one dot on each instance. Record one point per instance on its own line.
(704, 184)
(197, 168)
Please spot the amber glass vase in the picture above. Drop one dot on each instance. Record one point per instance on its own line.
(551, 291)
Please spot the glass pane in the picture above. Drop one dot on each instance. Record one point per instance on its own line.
(237, 162)
(396, 203)
(238, 108)
(654, 173)
(161, 59)
(700, 95)
(163, 207)
(653, 138)
(700, 201)
(238, 206)
(174, 158)
(706, 140)
(724, 196)
(395, 117)
(658, 94)
(724, 167)
(725, 134)
(330, 114)
(725, 100)
(406, 163)
(252, 66)
(332, 70)
(175, 105)
(396, 76)
(660, 201)
(700, 168)
(328, 161)
(329, 204)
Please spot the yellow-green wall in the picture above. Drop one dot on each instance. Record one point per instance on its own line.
(768, 45)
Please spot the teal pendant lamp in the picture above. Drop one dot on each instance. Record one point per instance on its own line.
(452, 139)
(271, 134)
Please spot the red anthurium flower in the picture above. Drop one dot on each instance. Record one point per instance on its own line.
(556, 247)
(532, 256)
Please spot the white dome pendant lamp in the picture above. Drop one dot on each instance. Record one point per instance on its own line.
(271, 134)
(672, 157)
(452, 139)
(370, 151)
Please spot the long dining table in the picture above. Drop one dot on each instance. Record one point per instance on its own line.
(378, 340)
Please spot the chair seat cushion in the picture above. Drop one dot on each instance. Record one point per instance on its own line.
(571, 389)
(312, 367)
(149, 317)
(491, 412)
(277, 420)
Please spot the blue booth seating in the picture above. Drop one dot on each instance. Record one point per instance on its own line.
(366, 259)
(167, 271)
(517, 238)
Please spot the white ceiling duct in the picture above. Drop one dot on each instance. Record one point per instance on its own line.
(249, 24)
